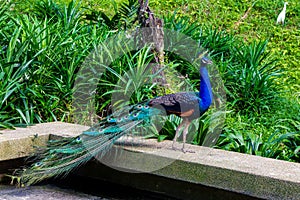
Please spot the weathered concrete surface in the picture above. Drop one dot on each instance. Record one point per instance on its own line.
(20, 142)
(46, 192)
(245, 174)
(251, 175)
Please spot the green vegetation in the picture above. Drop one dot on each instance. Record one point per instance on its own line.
(43, 44)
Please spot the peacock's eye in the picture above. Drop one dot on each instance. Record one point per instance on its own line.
(135, 114)
(78, 139)
(146, 106)
(139, 106)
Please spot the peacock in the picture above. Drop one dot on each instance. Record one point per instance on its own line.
(61, 156)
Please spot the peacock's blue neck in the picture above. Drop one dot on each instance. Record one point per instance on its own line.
(205, 93)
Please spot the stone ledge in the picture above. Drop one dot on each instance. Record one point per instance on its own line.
(239, 173)
(19, 143)
(249, 175)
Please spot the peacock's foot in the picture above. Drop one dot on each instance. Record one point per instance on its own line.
(176, 149)
(183, 149)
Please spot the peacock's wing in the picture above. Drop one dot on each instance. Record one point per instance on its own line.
(180, 104)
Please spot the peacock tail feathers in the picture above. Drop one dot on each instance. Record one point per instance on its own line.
(62, 156)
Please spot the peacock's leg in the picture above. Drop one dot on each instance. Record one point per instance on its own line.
(186, 124)
(177, 134)
(185, 131)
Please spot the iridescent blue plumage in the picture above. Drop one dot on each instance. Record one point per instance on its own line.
(62, 156)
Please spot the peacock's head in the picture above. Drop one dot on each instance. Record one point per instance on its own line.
(205, 61)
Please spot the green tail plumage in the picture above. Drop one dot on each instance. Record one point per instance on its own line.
(60, 157)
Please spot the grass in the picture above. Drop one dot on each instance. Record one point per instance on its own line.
(258, 24)
(44, 43)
